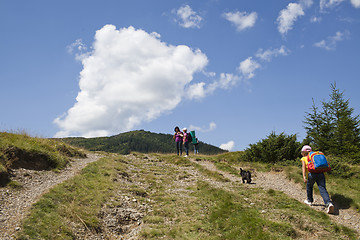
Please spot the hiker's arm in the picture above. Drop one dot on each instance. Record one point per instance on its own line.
(304, 171)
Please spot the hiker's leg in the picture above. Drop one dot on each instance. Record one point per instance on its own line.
(186, 148)
(179, 148)
(322, 188)
(309, 188)
(180, 145)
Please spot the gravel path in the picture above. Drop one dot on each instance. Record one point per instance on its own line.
(278, 181)
(14, 205)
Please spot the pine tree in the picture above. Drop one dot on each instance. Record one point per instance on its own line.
(346, 132)
(335, 129)
(319, 127)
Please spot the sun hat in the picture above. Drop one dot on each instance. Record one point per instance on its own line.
(184, 129)
(306, 148)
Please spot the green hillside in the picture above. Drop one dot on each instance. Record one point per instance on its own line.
(136, 141)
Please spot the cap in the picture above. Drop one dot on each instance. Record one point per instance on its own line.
(306, 148)
(184, 129)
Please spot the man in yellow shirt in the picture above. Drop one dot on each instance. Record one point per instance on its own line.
(311, 178)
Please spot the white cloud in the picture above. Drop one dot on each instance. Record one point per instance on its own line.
(355, 3)
(241, 20)
(288, 16)
(80, 49)
(78, 45)
(212, 127)
(129, 77)
(248, 66)
(329, 3)
(315, 19)
(270, 53)
(331, 42)
(200, 90)
(187, 17)
(228, 146)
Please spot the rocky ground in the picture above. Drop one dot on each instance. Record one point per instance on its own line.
(126, 218)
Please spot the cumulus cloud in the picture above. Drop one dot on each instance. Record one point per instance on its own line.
(247, 67)
(228, 146)
(242, 20)
(355, 3)
(211, 127)
(187, 17)
(130, 76)
(270, 53)
(331, 42)
(290, 14)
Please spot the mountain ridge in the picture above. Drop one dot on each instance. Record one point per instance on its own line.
(137, 141)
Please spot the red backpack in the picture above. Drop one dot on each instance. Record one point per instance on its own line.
(317, 162)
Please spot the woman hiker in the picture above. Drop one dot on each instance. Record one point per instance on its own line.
(178, 136)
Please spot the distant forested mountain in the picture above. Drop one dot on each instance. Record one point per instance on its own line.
(137, 141)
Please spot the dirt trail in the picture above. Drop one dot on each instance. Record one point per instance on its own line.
(14, 205)
(278, 181)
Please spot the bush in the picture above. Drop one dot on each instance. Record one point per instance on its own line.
(340, 167)
(274, 148)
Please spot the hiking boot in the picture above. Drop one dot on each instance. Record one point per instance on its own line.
(308, 202)
(330, 208)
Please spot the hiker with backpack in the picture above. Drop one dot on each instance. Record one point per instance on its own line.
(178, 136)
(313, 174)
(186, 140)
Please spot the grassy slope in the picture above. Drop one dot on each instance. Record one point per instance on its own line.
(184, 205)
(21, 150)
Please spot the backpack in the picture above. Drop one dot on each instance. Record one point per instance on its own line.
(317, 162)
(189, 137)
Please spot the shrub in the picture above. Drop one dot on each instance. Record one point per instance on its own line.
(274, 148)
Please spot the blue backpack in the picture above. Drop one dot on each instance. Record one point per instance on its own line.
(317, 162)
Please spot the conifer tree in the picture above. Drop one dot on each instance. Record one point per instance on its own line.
(335, 129)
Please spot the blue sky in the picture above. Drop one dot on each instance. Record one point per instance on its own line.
(233, 71)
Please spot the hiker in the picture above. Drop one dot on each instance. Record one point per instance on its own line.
(196, 146)
(186, 142)
(311, 178)
(178, 136)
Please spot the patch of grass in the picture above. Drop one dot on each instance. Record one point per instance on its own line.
(78, 200)
(229, 218)
(15, 185)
